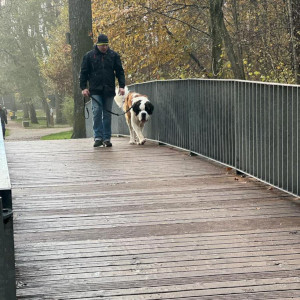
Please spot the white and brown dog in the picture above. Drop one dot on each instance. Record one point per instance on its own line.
(137, 116)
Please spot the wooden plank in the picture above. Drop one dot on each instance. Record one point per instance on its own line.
(147, 222)
(173, 242)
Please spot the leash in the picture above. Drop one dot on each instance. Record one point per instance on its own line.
(111, 112)
(87, 110)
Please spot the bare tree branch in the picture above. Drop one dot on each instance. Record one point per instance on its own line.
(173, 18)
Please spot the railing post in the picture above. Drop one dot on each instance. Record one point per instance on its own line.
(236, 118)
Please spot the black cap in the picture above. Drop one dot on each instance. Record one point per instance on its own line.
(102, 39)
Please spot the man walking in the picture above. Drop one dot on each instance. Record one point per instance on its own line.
(99, 69)
(3, 117)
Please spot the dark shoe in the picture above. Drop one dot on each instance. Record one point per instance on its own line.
(107, 144)
(98, 143)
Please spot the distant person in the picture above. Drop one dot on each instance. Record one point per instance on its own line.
(99, 68)
(51, 117)
(3, 117)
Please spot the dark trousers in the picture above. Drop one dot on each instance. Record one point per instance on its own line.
(3, 129)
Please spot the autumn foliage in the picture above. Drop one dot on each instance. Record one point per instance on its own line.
(165, 39)
(57, 66)
(187, 39)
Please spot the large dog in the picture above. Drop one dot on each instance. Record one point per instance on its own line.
(138, 109)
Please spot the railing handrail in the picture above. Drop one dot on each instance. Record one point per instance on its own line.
(218, 79)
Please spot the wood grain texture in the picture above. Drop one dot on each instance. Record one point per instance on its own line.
(146, 222)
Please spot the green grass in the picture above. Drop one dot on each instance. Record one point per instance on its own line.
(41, 116)
(39, 113)
(42, 124)
(58, 136)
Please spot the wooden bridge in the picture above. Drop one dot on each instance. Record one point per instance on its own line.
(146, 222)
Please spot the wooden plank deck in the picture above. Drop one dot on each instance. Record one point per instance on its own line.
(146, 222)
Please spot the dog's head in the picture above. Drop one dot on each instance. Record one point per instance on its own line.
(142, 108)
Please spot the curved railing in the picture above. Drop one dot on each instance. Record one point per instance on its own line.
(250, 126)
(7, 257)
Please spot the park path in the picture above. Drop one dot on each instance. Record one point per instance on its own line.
(19, 133)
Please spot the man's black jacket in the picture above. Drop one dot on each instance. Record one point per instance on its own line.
(100, 70)
(3, 116)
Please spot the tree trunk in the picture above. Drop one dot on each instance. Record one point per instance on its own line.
(46, 110)
(237, 68)
(216, 15)
(13, 105)
(41, 94)
(218, 21)
(25, 111)
(237, 33)
(33, 117)
(80, 19)
(58, 107)
(294, 20)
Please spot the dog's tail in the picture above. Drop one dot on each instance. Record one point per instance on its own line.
(119, 99)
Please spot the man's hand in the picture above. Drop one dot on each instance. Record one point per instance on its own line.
(122, 91)
(85, 93)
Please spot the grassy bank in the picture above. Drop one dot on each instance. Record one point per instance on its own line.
(58, 136)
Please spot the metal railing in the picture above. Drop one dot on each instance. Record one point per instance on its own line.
(250, 126)
(7, 256)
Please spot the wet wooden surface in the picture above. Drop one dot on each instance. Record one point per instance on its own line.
(146, 222)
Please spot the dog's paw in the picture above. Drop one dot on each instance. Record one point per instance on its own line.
(132, 142)
(142, 142)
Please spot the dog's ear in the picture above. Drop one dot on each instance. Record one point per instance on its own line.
(149, 107)
(136, 107)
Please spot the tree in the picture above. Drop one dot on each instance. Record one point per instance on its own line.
(210, 38)
(163, 35)
(24, 26)
(56, 68)
(33, 118)
(236, 65)
(80, 19)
